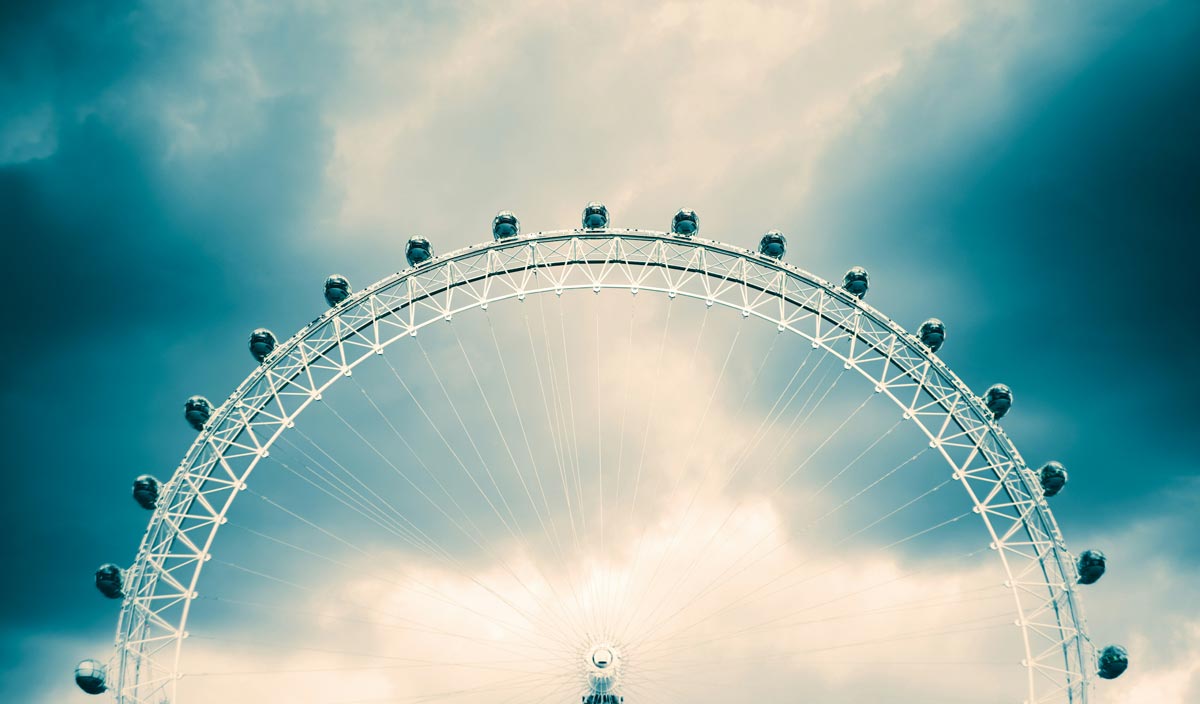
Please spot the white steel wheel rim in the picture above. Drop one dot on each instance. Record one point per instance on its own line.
(1041, 575)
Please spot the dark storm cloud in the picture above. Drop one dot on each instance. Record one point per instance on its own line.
(119, 206)
(1055, 237)
(134, 255)
(161, 168)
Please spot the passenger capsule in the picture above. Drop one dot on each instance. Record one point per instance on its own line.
(337, 289)
(1113, 661)
(418, 250)
(505, 225)
(856, 281)
(773, 245)
(999, 399)
(685, 223)
(262, 343)
(595, 216)
(932, 334)
(1053, 477)
(145, 491)
(91, 676)
(197, 410)
(110, 580)
(1091, 565)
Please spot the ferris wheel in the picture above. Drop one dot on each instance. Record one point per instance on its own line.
(602, 465)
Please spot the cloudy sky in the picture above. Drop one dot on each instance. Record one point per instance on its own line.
(173, 175)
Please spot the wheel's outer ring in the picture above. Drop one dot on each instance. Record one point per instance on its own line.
(1041, 573)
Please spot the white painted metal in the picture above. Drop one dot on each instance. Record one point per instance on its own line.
(1006, 495)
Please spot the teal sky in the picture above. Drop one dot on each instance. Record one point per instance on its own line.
(173, 175)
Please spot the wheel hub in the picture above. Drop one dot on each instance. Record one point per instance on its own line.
(602, 669)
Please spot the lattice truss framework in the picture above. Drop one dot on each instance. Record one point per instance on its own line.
(162, 584)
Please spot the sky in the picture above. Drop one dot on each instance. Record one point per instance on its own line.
(173, 175)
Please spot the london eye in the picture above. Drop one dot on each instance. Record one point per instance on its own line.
(602, 465)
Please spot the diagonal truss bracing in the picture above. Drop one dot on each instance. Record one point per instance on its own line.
(1007, 497)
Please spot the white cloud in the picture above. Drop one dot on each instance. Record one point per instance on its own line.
(703, 102)
(440, 119)
(1148, 602)
(701, 588)
(1176, 680)
(532, 620)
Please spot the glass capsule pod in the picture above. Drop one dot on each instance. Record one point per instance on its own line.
(595, 216)
(92, 676)
(773, 245)
(197, 410)
(856, 281)
(505, 225)
(262, 344)
(1053, 477)
(1091, 565)
(110, 581)
(932, 334)
(145, 491)
(337, 289)
(418, 250)
(999, 399)
(1113, 661)
(685, 223)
